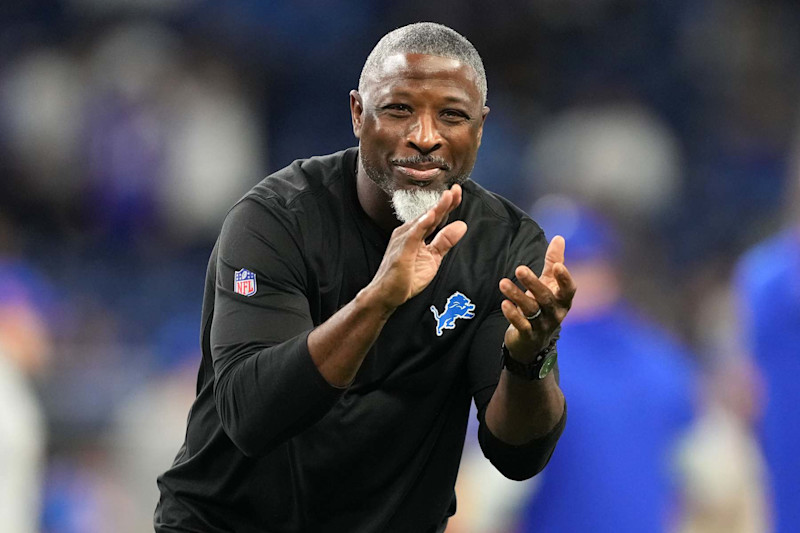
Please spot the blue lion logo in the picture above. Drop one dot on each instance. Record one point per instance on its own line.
(458, 306)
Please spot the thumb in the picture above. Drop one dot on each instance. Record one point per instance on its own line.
(448, 237)
(554, 254)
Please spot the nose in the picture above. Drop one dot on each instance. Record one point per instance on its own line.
(424, 134)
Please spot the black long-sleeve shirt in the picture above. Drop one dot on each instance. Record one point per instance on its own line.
(270, 445)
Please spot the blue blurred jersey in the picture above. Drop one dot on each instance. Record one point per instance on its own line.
(768, 282)
(629, 389)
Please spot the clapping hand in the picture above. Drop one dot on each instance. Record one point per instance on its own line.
(535, 314)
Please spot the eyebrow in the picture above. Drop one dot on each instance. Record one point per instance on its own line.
(449, 99)
(456, 100)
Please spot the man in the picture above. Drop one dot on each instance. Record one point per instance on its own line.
(600, 481)
(24, 349)
(339, 359)
(766, 282)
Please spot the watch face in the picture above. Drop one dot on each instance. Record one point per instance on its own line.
(548, 364)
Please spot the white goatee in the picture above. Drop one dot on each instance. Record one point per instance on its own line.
(409, 204)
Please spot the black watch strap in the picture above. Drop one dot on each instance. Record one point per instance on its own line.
(537, 369)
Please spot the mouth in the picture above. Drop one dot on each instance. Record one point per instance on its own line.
(420, 176)
(421, 171)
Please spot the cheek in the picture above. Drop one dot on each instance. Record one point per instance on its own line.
(380, 137)
(467, 147)
(373, 146)
(386, 133)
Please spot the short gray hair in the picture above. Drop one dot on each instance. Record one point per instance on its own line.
(426, 38)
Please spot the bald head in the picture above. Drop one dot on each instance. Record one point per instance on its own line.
(426, 38)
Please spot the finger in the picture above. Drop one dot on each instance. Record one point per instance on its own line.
(448, 237)
(542, 294)
(423, 226)
(437, 214)
(527, 304)
(515, 317)
(566, 285)
(449, 201)
(408, 237)
(458, 195)
(554, 254)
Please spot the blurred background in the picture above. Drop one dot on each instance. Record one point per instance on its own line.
(660, 138)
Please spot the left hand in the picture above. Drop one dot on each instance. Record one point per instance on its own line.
(409, 263)
(552, 293)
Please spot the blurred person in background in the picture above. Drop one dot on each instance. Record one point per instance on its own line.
(24, 349)
(618, 154)
(150, 424)
(713, 466)
(128, 137)
(722, 470)
(767, 286)
(333, 393)
(112, 144)
(163, 124)
(631, 387)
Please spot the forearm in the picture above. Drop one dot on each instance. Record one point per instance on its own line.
(521, 423)
(521, 461)
(339, 345)
(522, 410)
(305, 372)
(267, 397)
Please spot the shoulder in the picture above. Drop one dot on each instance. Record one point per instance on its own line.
(295, 200)
(482, 204)
(305, 179)
(497, 228)
(308, 191)
(769, 262)
(499, 220)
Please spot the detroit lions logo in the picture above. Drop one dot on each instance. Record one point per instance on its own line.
(458, 306)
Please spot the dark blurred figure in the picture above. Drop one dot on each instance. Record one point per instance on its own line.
(631, 388)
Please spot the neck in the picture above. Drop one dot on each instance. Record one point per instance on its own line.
(374, 201)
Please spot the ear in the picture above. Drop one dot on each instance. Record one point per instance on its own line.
(356, 112)
(484, 114)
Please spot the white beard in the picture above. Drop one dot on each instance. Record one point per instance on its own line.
(409, 204)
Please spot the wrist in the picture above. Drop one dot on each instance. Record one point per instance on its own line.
(369, 300)
(528, 356)
(535, 369)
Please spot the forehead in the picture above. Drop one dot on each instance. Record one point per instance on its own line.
(419, 73)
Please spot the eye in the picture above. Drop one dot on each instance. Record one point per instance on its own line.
(397, 110)
(454, 116)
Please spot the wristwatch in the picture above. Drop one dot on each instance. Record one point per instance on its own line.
(537, 369)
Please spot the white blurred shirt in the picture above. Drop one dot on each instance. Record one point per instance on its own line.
(21, 450)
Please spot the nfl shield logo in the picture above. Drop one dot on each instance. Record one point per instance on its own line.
(244, 282)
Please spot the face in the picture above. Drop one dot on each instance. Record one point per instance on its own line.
(419, 123)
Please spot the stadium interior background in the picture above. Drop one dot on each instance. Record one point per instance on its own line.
(128, 127)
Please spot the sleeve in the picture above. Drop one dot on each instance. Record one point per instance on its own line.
(485, 365)
(267, 389)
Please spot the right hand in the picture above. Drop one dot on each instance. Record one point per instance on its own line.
(409, 264)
